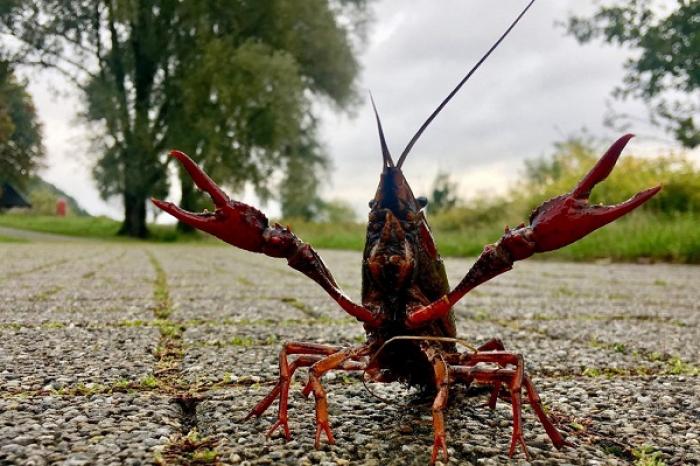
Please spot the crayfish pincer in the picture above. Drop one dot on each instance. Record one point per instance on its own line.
(406, 299)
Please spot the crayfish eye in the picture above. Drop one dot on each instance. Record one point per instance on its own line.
(422, 201)
(371, 203)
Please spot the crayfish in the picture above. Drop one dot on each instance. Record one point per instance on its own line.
(407, 303)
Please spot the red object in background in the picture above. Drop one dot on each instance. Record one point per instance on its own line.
(61, 207)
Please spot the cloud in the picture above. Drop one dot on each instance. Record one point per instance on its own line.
(537, 88)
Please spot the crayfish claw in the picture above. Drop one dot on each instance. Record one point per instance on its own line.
(567, 218)
(607, 214)
(198, 221)
(201, 179)
(601, 169)
(233, 222)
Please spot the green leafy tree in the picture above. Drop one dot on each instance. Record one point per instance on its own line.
(229, 82)
(665, 69)
(443, 194)
(21, 149)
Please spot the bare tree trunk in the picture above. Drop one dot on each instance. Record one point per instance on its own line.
(188, 201)
(134, 224)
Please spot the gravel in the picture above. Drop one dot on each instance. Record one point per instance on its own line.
(99, 429)
(612, 348)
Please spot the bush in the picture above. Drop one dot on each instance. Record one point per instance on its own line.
(546, 178)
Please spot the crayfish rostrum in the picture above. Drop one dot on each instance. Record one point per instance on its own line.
(407, 302)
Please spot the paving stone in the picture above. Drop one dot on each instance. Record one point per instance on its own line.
(605, 420)
(215, 354)
(82, 313)
(36, 358)
(98, 429)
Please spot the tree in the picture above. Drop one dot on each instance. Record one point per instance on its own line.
(229, 82)
(665, 70)
(443, 193)
(21, 148)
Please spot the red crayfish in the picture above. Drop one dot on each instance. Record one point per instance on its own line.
(407, 302)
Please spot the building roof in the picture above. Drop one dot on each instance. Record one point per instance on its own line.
(10, 197)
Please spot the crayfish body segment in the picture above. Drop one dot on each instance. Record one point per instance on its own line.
(406, 298)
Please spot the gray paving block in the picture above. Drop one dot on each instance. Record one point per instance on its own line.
(36, 358)
(100, 429)
(605, 420)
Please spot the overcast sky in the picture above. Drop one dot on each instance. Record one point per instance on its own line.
(537, 88)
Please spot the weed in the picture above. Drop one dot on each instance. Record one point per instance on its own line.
(577, 427)
(46, 294)
(132, 323)
(205, 456)
(168, 328)
(244, 281)
(150, 382)
(53, 325)
(480, 314)
(271, 340)
(241, 341)
(619, 348)
(615, 450)
(303, 307)
(591, 372)
(677, 366)
(646, 455)
(120, 385)
(565, 291)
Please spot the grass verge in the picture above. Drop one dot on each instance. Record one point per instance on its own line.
(639, 237)
(89, 227)
(642, 236)
(12, 239)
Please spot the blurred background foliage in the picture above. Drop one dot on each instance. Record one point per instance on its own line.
(236, 85)
(664, 68)
(665, 228)
(21, 148)
(229, 82)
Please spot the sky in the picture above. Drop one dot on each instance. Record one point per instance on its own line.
(539, 87)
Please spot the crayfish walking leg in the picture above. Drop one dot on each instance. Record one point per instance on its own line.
(515, 379)
(310, 353)
(442, 380)
(321, 358)
(346, 359)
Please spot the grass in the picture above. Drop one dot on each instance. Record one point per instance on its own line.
(11, 239)
(640, 237)
(646, 455)
(88, 227)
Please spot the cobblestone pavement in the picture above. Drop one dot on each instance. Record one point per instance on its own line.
(119, 353)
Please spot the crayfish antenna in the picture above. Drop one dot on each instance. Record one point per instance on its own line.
(388, 162)
(459, 86)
